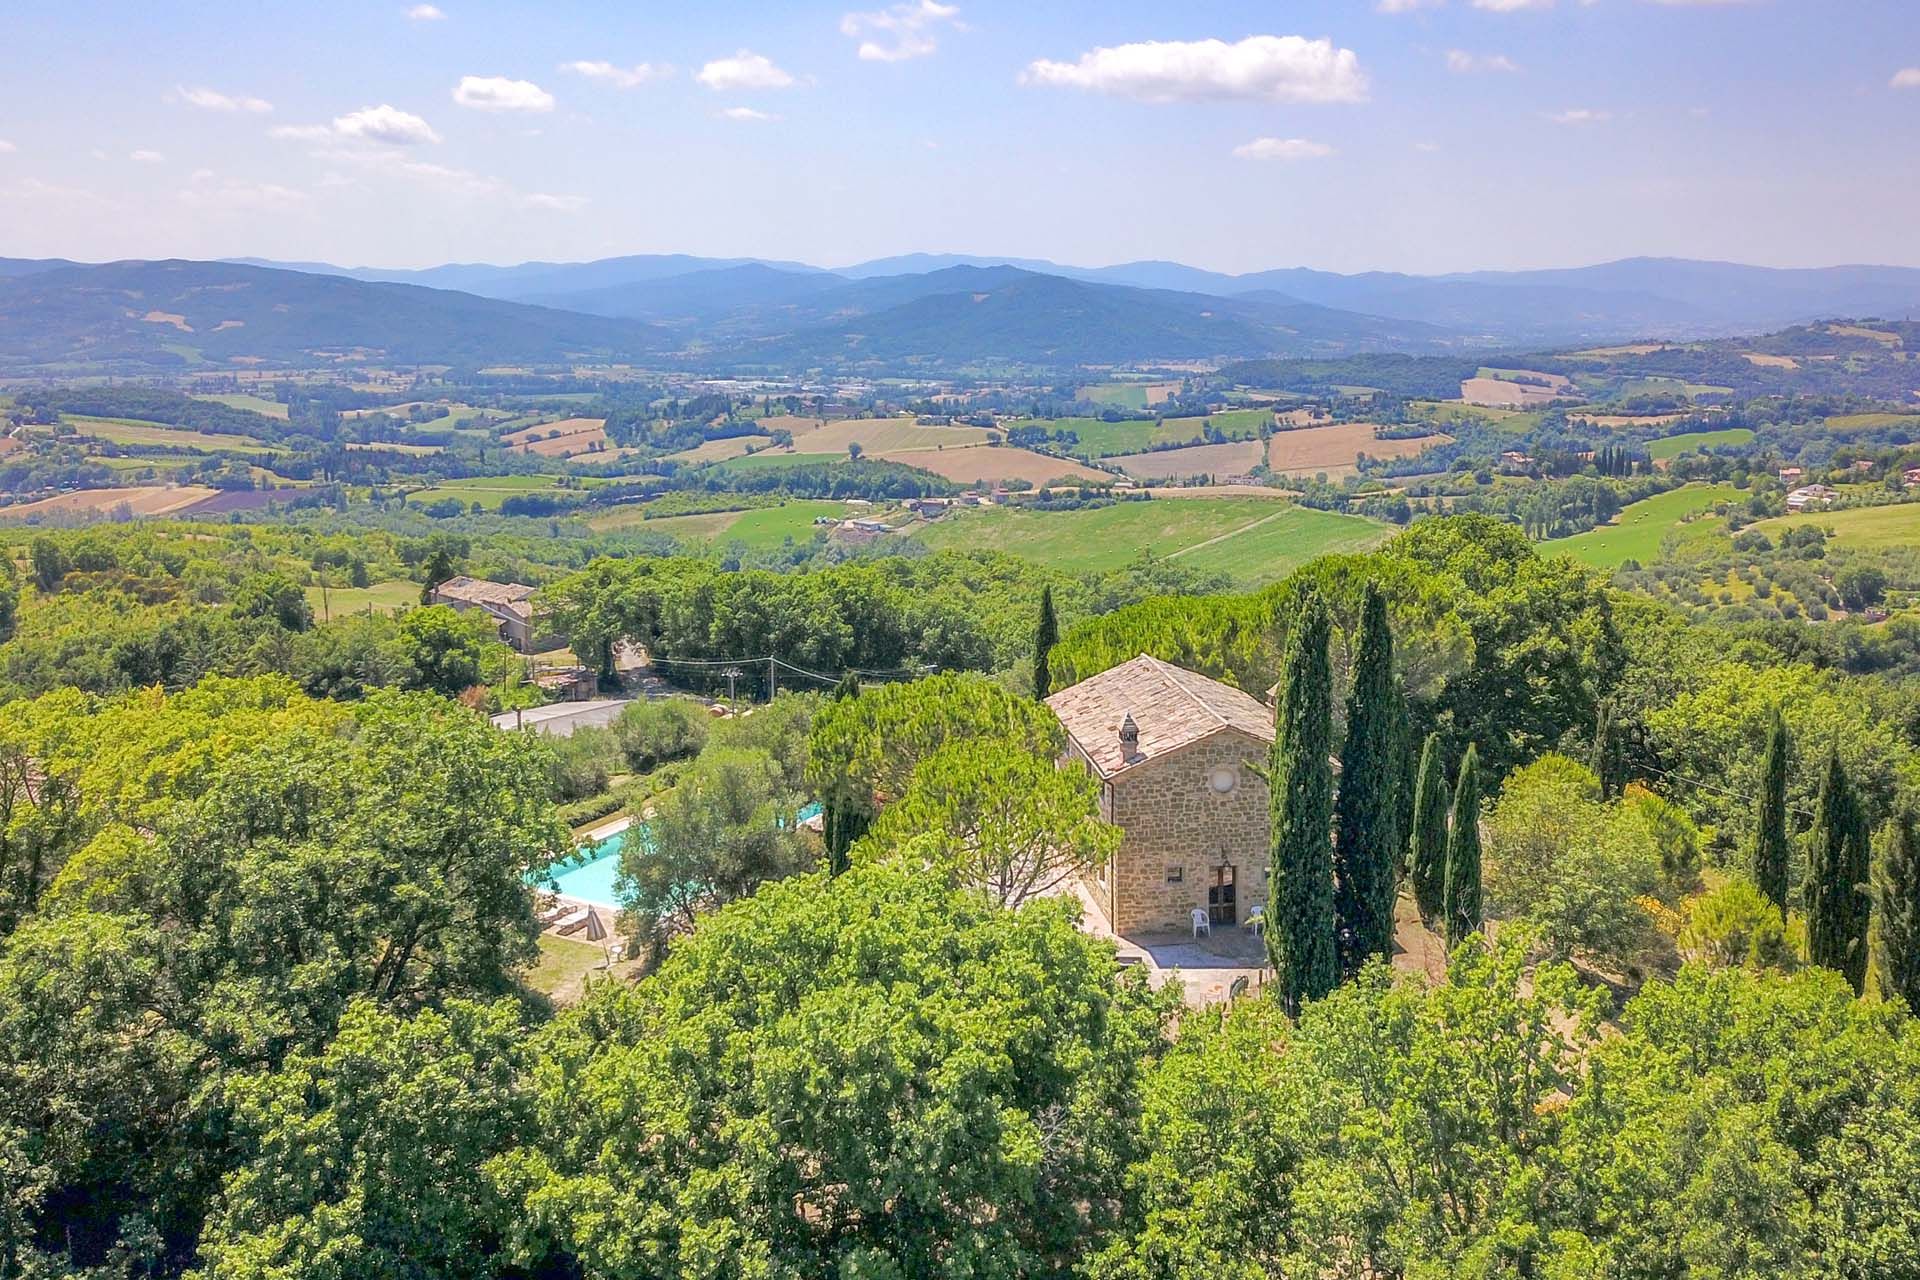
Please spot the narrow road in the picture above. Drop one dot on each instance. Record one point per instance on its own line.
(1231, 533)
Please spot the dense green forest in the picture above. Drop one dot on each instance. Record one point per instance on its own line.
(265, 944)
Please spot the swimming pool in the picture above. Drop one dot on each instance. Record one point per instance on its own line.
(589, 874)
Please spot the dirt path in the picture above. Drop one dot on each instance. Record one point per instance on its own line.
(1231, 533)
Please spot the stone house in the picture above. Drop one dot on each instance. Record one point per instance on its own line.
(1172, 751)
(509, 604)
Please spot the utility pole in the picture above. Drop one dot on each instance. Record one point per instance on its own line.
(732, 674)
(772, 679)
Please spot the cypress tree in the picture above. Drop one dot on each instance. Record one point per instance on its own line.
(1045, 635)
(1427, 850)
(1364, 819)
(1406, 781)
(1770, 847)
(1300, 927)
(1604, 759)
(844, 816)
(1463, 909)
(1838, 907)
(1897, 911)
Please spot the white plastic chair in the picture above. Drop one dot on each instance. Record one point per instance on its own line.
(1257, 921)
(1202, 923)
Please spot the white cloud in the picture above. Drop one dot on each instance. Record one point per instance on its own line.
(1514, 6)
(301, 132)
(1460, 62)
(1407, 6)
(249, 196)
(498, 93)
(747, 114)
(144, 156)
(379, 124)
(899, 33)
(214, 100)
(1906, 78)
(1581, 115)
(1258, 68)
(7, 148)
(744, 70)
(1427, 148)
(425, 13)
(1282, 149)
(559, 204)
(619, 77)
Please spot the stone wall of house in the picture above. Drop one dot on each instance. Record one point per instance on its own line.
(1179, 829)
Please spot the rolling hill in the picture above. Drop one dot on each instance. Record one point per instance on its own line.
(174, 313)
(970, 315)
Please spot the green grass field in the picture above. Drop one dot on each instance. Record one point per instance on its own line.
(1251, 540)
(258, 404)
(761, 529)
(142, 464)
(1445, 413)
(126, 431)
(1122, 395)
(488, 491)
(1110, 439)
(1864, 528)
(1872, 421)
(1674, 446)
(1637, 532)
(381, 597)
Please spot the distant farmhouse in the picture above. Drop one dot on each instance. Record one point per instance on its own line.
(509, 604)
(1171, 750)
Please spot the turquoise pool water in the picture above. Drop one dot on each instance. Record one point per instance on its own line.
(589, 874)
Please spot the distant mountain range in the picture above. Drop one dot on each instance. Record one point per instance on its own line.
(1636, 297)
(175, 314)
(931, 311)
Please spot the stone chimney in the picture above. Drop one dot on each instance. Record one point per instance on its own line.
(1129, 735)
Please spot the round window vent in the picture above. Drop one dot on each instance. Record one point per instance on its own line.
(1224, 779)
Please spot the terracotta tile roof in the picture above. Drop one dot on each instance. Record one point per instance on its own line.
(1171, 707)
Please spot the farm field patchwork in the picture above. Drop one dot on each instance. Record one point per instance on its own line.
(1637, 532)
(1447, 412)
(761, 528)
(488, 491)
(1863, 528)
(1673, 446)
(242, 400)
(140, 500)
(1332, 449)
(126, 431)
(1873, 421)
(1209, 533)
(720, 450)
(878, 437)
(990, 464)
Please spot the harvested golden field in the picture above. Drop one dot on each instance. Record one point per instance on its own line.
(1871, 335)
(1498, 393)
(1160, 392)
(141, 500)
(720, 450)
(1616, 420)
(577, 436)
(1630, 349)
(1770, 362)
(1332, 449)
(1302, 417)
(791, 424)
(882, 437)
(545, 430)
(993, 464)
(1235, 458)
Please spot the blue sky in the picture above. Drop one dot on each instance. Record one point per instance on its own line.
(1420, 135)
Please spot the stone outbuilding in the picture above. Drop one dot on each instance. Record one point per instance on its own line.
(509, 604)
(1172, 750)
